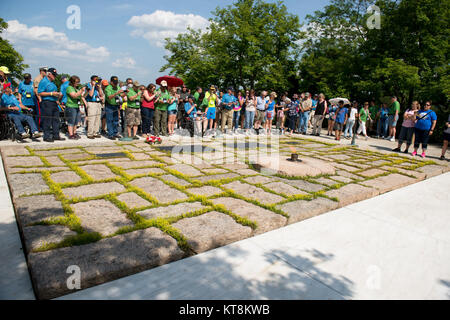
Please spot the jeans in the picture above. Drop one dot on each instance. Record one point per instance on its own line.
(382, 127)
(291, 122)
(406, 133)
(50, 119)
(236, 117)
(147, 119)
(349, 128)
(249, 118)
(112, 120)
(421, 137)
(36, 114)
(18, 118)
(71, 115)
(303, 123)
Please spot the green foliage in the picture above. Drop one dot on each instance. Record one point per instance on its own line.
(9, 57)
(250, 44)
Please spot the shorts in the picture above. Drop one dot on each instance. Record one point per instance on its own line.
(172, 112)
(392, 120)
(338, 126)
(211, 114)
(71, 115)
(446, 136)
(260, 115)
(269, 115)
(133, 117)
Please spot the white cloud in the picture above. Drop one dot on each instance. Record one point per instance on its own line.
(56, 44)
(124, 63)
(157, 26)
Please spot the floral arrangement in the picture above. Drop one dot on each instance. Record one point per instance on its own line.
(153, 140)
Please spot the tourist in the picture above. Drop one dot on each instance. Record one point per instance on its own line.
(260, 111)
(37, 80)
(27, 97)
(383, 121)
(250, 109)
(319, 115)
(291, 115)
(270, 112)
(243, 107)
(394, 111)
(237, 110)
(172, 108)
(407, 131)
(14, 110)
(281, 106)
(304, 115)
(160, 117)
(228, 103)
(49, 94)
(197, 94)
(331, 117)
(424, 127)
(364, 115)
(314, 101)
(446, 138)
(113, 101)
(193, 113)
(103, 117)
(348, 133)
(133, 110)
(148, 109)
(182, 99)
(75, 94)
(94, 98)
(341, 120)
(212, 100)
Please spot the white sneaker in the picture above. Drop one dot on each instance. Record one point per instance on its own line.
(392, 139)
(388, 138)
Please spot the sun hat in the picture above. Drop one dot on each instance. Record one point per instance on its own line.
(4, 69)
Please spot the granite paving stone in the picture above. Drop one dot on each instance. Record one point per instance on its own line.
(27, 183)
(211, 230)
(172, 211)
(65, 176)
(253, 192)
(158, 189)
(127, 164)
(37, 236)
(23, 161)
(204, 179)
(265, 219)
(171, 178)
(304, 185)
(186, 170)
(390, 182)
(206, 191)
(302, 209)
(100, 216)
(284, 188)
(93, 190)
(132, 200)
(102, 261)
(146, 171)
(351, 193)
(371, 172)
(98, 171)
(37, 208)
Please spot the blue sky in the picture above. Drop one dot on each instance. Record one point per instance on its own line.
(123, 38)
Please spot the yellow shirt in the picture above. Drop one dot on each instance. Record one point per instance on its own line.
(212, 102)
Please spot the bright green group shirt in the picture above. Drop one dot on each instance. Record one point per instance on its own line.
(394, 107)
(109, 90)
(72, 102)
(164, 96)
(363, 114)
(132, 103)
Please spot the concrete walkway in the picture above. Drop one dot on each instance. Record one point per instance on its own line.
(394, 246)
(15, 280)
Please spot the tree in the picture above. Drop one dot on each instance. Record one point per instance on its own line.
(250, 44)
(9, 57)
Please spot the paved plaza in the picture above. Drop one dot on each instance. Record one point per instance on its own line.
(116, 209)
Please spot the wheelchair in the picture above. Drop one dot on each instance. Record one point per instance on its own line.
(8, 129)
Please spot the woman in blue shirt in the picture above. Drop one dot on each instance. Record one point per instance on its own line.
(270, 111)
(425, 123)
(382, 125)
(172, 110)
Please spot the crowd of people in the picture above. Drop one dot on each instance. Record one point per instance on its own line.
(109, 108)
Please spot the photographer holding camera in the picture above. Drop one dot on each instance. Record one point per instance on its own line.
(112, 102)
(94, 107)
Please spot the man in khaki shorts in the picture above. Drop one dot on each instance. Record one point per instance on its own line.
(94, 98)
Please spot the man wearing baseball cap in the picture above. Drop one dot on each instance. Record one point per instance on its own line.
(49, 94)
(14, 109)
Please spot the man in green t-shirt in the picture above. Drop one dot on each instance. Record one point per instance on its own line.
(161, 104)
(75, 95)
(133, 110)
(113, 99)
(197, 94)
(394, 111)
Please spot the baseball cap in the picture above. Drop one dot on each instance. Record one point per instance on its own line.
(53, 71)
(6, 85)
(114, 79)
(4, 69)
(43, 69)
(164, 83)
(27, 76)
(212, 88)
(105, 82)
(136, 83)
